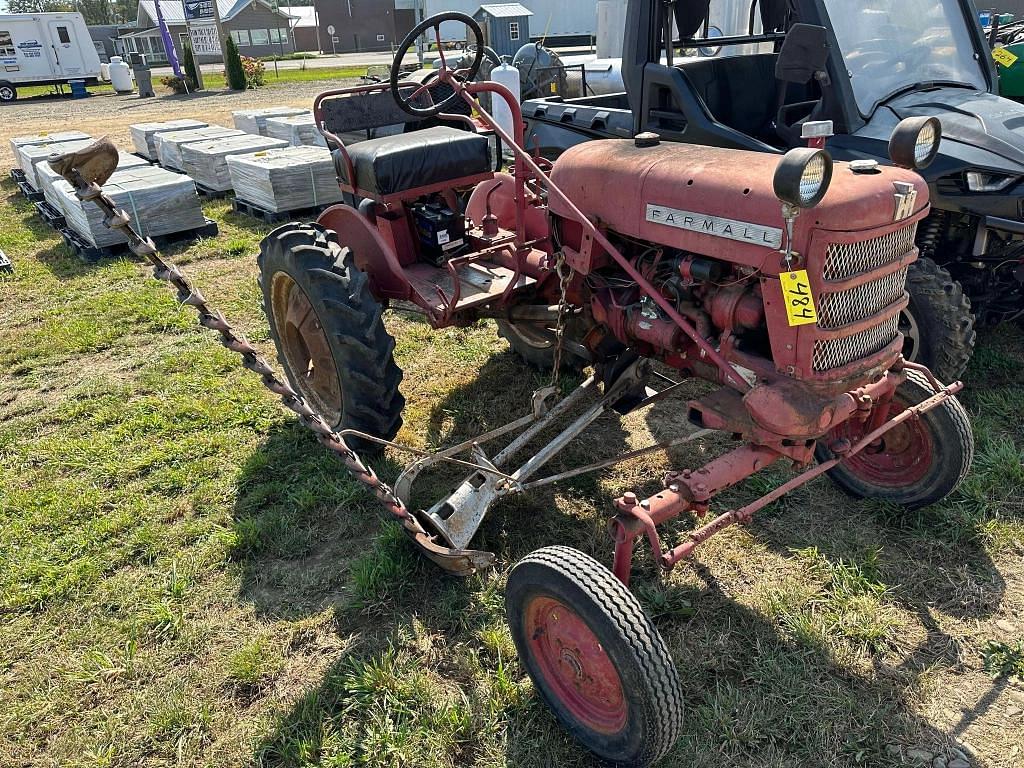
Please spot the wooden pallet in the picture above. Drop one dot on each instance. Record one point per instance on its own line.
(17, 175)
(277, 217)
(31, 193)
(213, 194)
(91, 253)
(5, 263)
(51, 215)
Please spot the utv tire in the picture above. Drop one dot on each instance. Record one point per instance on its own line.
(329, 334)
(536, 348)
(595, 656)
(918, 463)
(938, 326)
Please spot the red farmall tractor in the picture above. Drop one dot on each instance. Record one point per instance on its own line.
(780, 282)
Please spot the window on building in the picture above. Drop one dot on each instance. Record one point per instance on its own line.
(63, 36)
(241, 37)
(7, 48)
(278, 36)
(513, 30)
(260, 36)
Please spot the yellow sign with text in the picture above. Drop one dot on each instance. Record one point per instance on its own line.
(1004, 57)
(796, 291)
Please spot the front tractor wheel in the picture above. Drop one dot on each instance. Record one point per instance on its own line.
(329, 333)
(595, 656)
(938, 325)
(915, 464)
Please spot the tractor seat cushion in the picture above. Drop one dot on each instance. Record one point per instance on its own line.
(393, 164)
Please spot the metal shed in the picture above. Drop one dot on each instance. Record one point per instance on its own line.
(506, 26)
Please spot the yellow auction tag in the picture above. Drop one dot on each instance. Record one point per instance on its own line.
(796, 290)
(1004, 57)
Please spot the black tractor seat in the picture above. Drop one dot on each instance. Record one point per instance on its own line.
(394, 164)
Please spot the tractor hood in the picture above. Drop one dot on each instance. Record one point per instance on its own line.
(718, 202)
(979, 129)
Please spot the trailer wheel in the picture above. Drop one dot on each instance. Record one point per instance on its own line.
(7, 92)
(917, 463)
(328, 331)
(595, 656)
(938, 326)
(536, 346)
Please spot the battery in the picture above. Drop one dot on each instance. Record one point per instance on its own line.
(440, 229)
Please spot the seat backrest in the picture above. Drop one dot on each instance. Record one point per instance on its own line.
(738, 91)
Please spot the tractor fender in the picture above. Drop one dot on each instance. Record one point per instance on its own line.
(499, 193)
(370, 252)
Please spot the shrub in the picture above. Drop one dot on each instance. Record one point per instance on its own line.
(176, 84)
(190, 66)
(254, 72)
(233, 71)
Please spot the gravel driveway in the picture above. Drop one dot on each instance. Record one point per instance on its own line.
(109, 114)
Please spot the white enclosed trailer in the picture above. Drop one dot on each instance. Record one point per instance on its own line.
(45, 49)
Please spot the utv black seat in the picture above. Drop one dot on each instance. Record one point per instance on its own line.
(394, 164)
(738, 91)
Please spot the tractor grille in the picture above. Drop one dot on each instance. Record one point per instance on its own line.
(844, 307)
(835, 353)
(844, 260)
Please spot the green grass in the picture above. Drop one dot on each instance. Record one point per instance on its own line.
(188, 578)
(213, 81)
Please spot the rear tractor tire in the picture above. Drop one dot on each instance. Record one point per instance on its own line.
(938, 326)
(595, 656)
(915, 464)
(329, 333)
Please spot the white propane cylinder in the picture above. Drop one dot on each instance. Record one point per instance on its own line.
(507, 75)
(105, 72)
(120, 75)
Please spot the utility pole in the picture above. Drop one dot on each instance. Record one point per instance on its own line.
(220, 30)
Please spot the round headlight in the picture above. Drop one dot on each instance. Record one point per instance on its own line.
(915, 142)
(803, 176)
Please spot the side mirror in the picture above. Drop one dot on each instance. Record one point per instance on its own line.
(803, 55)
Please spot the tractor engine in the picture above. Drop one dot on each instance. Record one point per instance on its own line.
(804, 297)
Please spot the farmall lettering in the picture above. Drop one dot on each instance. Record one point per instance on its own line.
(743, 231)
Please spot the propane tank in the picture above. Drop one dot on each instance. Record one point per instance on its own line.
(507, 75)
(120, 75)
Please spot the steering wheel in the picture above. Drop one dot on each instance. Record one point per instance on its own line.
(408, 103)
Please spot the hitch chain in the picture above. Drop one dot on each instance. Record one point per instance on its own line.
(564, 273)
(251, 359)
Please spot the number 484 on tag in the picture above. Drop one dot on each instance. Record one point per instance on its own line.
(796, 291)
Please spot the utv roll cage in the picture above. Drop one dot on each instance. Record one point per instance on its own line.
(654, 89)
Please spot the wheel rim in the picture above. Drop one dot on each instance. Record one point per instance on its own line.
(900, 458)
(911, 336)
(305, 347)
(575, 666)
(6, 93)
(532, 336)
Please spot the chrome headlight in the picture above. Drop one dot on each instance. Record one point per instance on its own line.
(803, 177)
(915, 142)
(984, 181)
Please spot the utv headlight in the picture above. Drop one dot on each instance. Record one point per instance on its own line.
(915, 142)
(983, 181)
(803, 176)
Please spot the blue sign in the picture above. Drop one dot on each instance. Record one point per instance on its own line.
(196, 10)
